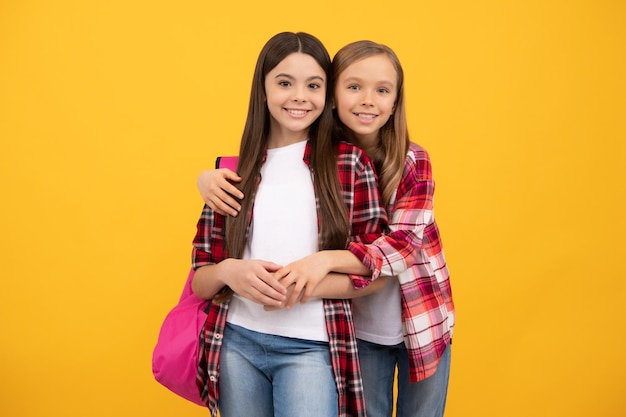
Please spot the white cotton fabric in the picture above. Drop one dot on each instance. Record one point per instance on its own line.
(378, 317)
(283, 229)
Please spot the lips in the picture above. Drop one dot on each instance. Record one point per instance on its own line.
(366, 118)
(297, 112)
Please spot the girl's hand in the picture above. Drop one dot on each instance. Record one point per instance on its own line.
(218, 192)
(301, 277)
(254, 280)
(288, 295)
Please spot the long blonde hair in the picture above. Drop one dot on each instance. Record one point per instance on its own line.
(390, 154)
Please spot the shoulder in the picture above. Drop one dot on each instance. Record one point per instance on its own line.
(417, 164)
(352, 155)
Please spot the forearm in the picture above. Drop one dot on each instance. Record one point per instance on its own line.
(336, 285)
(342, 261)
(206, 282)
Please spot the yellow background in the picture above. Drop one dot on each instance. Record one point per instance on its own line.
(109, 110)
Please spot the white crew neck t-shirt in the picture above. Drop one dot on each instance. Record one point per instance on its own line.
(283, 230)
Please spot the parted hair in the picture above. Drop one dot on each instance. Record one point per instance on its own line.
(334, 227)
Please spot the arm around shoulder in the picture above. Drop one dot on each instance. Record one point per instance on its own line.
(218, 192)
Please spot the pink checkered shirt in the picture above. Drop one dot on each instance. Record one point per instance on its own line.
(412, 251)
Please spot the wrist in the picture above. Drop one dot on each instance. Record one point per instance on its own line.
(225, 271)
(326, 260)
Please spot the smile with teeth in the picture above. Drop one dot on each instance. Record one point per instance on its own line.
(365, 115)
(297, 112)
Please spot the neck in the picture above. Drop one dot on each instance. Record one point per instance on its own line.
(367, 143)
(278, 141)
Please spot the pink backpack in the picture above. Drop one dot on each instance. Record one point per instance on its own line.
(175, 356)
(227, 162)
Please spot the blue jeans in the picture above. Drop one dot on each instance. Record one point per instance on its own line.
(263, 375)
(425, 398)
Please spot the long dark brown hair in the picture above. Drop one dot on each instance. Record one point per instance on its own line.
(334, 227)
(390, 154)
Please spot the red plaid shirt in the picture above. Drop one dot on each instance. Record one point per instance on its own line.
(359, 188)
(412, 251)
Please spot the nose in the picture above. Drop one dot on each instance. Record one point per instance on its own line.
(299, 94)
(367, 98)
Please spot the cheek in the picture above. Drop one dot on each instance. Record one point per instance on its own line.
(392, 104)
(340, 100)
(343, 113)
(342, 105)
(389, 108)
(320, 101)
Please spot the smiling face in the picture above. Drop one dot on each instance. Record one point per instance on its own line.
(295, 91)
(365, 95)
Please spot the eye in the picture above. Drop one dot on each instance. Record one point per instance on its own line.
(314, 86)
(284, 83)
(383, 90)
(353, 87)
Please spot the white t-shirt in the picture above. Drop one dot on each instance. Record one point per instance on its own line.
(283, 230)
(378, 317)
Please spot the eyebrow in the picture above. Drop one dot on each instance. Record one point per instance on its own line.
(291, 77)
(357, 79)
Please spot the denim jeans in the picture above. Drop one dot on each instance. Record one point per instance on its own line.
(263, 375)
(425, 398)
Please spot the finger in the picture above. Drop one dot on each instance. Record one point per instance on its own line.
(224, 192)
(230, 175)
(221, 199)
(218, 204)
(267, 293)
(281, 273)
(214, 202)
(214, 207)
(232, 204)
(295, 296)
(262, 298)
(269, 286)
(270, 266)
(225, 183)
(306, 294)
(290, 279)
(285, 276)
(273, 285)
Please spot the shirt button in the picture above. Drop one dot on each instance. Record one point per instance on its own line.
(212, 378)
(218, 336)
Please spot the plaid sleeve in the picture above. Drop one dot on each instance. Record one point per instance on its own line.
(412, 212)
(208, 244)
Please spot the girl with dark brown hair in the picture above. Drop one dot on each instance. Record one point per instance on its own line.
(307, 192)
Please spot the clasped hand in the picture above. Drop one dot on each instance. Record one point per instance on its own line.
(254, 279)
(273, 286)
(299, 278)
